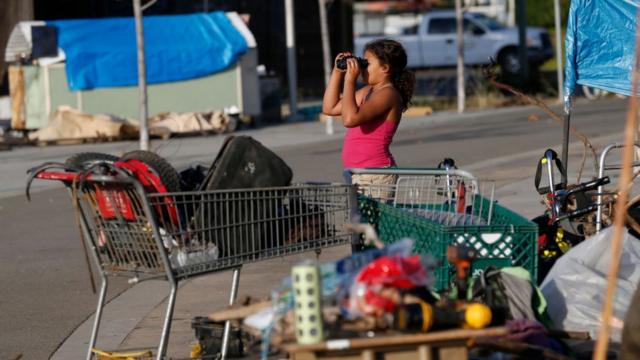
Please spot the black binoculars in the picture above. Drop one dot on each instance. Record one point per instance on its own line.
(342, 63)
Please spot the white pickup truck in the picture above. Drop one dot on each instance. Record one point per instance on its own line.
(432, 42)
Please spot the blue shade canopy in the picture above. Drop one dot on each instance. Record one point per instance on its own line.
(102, 52)
(600, 45)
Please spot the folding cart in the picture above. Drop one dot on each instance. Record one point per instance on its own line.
(601, 170)
(174, 236)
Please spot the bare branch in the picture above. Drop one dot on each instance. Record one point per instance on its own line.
(491, 76)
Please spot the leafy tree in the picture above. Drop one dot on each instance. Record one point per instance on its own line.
(540, 12)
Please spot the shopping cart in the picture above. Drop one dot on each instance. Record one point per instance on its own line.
(442, 207)
(174, 236)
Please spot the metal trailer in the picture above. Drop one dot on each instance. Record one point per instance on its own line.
(174, 236)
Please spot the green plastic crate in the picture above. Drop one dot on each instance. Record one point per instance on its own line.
(510, 240)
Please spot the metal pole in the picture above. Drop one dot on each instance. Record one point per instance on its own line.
(142, 82)
(565, 146)
(556, 10)
(291, 59)
(460, 52)
(326, 55)
(227, 325)
(511, 19)
(522, 39)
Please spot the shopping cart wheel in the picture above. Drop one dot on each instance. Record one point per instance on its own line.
(84, 160)
(167, 174)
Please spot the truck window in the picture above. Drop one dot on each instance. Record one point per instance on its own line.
(410, 30)
(448, 26)
(471, 27)
(442, 26)
(488, 22)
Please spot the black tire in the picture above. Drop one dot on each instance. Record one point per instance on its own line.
(509, 62)
(167, 174)
(84, 160)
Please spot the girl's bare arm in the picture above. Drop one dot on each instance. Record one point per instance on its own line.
(331, 103)
(380, 104)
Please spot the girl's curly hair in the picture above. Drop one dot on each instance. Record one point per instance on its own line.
(391, 52)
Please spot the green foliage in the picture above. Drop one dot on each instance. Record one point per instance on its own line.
(540, 12)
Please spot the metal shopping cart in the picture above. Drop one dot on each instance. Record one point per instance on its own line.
(174, 236)
(442, 207)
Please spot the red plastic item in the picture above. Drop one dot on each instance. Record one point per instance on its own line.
(110, 197)
(460, 203)
(398, 272)
(376, 289)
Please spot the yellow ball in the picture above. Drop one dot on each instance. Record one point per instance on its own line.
(477, 316)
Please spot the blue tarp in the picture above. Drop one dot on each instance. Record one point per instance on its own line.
(600, 45)
(102, 52)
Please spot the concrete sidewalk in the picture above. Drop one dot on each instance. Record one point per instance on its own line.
(134, 319)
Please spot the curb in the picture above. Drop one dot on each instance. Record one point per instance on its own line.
(119, 317)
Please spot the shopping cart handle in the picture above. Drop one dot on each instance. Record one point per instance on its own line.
(69, 175)
(57, 175)
(43, 169)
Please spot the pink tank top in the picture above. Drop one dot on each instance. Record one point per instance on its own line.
(367, 145)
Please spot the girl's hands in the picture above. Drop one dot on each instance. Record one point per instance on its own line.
(353, 70)
(341, 55)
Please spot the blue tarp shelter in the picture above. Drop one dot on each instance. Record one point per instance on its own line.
(102, 52)
(599, 50)
(600, 45)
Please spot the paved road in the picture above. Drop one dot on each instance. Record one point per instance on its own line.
(46, 291)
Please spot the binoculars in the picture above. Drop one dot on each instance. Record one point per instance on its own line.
(342, 63)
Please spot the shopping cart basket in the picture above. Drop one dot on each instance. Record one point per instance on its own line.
(439, 207)
(174, 236)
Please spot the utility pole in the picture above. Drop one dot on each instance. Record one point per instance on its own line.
(522, 39)
(559, 68)
(326, 55)
(511, 18)
(460, 53)
(142, 77)
(291, 59)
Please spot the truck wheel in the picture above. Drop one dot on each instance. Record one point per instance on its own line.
(592, 93)
(510, 62)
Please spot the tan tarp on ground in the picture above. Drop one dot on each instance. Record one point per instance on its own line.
(175, 123)
(68, 123)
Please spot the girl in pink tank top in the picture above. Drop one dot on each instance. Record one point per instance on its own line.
(372, 113)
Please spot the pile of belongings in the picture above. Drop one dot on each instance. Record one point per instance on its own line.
(68, 123)
(388, 290)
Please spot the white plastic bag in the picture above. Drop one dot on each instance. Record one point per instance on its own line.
(575, 287)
